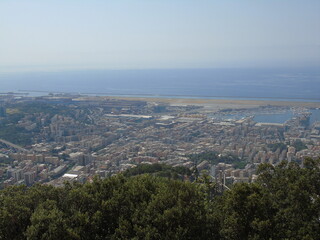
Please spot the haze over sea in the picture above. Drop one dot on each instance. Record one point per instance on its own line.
(294, 84)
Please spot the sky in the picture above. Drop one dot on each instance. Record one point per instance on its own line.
(147, 34)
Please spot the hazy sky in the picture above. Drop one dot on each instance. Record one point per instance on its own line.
(113, 34)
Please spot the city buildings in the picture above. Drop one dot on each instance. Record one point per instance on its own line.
(78, 138)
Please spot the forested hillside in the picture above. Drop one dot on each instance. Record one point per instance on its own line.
(283, 204)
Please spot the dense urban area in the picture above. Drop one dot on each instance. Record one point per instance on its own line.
(57, 138)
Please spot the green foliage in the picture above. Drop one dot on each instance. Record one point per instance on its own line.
(215, 158)
(246, 213)
(15, 134)
(209, 156)
(12, 132)
(47, 223)
(274, 146)
(284, 203)
(42, 107)
(240, 164)
(295, 196)
(299, 145)
(5, 161)
(160, 170)
(141, 207)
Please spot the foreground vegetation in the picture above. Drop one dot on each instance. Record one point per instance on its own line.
(283, 204)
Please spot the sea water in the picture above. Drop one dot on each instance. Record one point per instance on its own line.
(263, 84)
(275, 117)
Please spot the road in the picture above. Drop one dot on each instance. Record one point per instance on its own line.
(13, 145)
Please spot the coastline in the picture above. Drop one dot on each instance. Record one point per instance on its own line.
(217, 102)
(206, 101)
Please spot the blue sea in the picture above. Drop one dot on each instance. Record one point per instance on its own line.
(274, 117)
(301, 84)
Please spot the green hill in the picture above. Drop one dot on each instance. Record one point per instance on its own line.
(283, 204)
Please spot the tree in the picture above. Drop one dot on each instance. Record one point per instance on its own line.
(295, 195)
(247, 213)
(284, 203)
(48, 223)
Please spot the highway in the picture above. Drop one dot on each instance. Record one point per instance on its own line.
(13, 145)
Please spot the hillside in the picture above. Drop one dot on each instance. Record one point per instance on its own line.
(283, 204)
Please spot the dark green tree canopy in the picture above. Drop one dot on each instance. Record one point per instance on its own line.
(283, 204)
